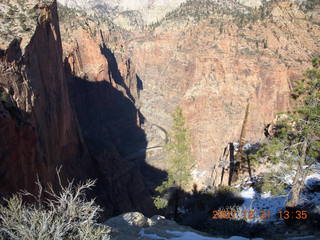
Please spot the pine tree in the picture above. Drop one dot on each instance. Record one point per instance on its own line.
(179, 161)
(179, 152)
(304, 132)
(296, 138)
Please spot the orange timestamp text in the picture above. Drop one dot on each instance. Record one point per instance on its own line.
(236, 214)
(293, 214)
(262, 215)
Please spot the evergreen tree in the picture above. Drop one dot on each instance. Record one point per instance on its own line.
(304, 131)
(179, 157)
(179, 152)
(296, 138)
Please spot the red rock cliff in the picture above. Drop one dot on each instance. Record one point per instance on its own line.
(39, 123)
(212, 67)
(35, 81)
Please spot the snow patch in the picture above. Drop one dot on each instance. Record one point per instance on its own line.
(260, 204)
(194, 236)
(266, 195)
(265, 202)
(248, 193)
(150, 236)
(187, 236)
(312, 180)
(176, 235)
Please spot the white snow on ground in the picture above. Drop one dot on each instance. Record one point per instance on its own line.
(187, 236)
(150, 236)
(311, 198)
(194, 236)
(266, 195)
(253, 201)
(261, 204)
(288, 178)
(312, 180)
(248, 193)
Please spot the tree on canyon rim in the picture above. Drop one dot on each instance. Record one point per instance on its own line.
(179, 160)
(296, 137)
(304, 131)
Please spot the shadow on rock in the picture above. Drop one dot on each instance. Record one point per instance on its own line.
(117, 145)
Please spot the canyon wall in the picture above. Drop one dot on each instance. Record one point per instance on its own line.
(211, 67)
(52, 115)
(34, 82)
(99, 101)
(103, 89)
(214, 67)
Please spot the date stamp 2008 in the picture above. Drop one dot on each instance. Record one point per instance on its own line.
(243, 214)
(258, 215)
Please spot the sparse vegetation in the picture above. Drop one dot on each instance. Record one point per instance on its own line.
(63, 216)
(179, 154)
(160, 202)
(180, 160)
(273, 183)
(17, 19)
(295, 138)
(310, 5)
(199, 209)
(195, 11)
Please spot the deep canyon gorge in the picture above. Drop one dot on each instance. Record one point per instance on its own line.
(96, 98)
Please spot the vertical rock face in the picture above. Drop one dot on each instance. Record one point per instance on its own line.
(36, 83)
(18, 151)
(100, 111)
(212, 68)
(59, 141)
(39, 120)
(103, 93)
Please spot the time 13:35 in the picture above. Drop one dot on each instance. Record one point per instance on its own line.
(297, 214)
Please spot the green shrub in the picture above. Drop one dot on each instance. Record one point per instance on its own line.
(179, 160)
(272, 183)
(64, 216)
(160, 203)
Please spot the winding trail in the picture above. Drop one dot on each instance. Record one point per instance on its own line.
(144, 151)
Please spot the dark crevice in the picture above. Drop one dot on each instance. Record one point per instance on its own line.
(113, 67)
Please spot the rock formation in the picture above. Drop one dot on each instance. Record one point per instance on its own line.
(40, 128)
(211, 57)
(98, 99)
(134, 225)
(125, 11)
(212, 67)
(41, 110)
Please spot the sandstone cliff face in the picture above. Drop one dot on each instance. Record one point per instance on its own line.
(211, 67)
(105, 111)
(103, 90)
(35, 81)
(214, 67)
(18, 151)
(52, 114)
